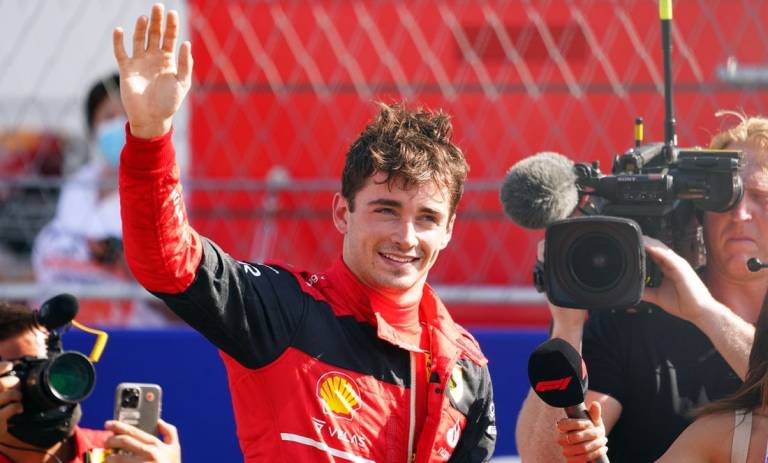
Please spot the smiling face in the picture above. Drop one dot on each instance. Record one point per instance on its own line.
(732, 237)
(393, 235)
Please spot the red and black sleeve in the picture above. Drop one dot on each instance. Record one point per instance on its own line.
(249, 311)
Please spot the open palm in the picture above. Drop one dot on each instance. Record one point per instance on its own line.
(152, 86)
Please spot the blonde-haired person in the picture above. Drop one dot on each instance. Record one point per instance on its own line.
(733, 429)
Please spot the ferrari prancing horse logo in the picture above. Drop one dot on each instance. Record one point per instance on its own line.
(456, 384)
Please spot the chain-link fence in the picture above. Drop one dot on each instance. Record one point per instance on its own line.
(281, 88)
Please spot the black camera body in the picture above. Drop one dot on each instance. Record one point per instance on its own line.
(63, 378)
(598, 261)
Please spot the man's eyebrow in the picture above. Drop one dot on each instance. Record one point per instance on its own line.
(429, 210)
(398, 204)
(385, 202)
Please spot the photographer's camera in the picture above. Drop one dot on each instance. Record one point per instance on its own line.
(52, 386)
(597, 260)
(61, 379)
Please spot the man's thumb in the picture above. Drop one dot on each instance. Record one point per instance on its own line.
(594, 413)
(168, 431)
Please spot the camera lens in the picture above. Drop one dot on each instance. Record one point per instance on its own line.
(130, 398)
(596, 262)
(70, 377)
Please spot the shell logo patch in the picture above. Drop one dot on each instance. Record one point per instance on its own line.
(338, 394)
(456, 384)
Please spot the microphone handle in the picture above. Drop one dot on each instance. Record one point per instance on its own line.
(577, 411)
(580, 411)
(755, 265)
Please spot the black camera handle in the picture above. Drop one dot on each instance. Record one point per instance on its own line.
(670, 137)
(53, 343)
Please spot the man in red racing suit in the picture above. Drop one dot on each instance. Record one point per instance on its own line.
(361, 362)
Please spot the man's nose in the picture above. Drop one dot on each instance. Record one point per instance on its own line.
(406, 234)
(742, 211)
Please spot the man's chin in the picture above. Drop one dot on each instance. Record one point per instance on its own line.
(737, 265)
(397, 283)
(400, 284)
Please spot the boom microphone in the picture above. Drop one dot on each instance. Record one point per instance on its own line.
(57, 311)
(755, 265)
(539, 190)
(559, 377)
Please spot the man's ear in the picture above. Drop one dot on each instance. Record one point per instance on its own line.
(341, 213)
(449, 232)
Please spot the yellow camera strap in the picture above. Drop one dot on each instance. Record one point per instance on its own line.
(101, 341)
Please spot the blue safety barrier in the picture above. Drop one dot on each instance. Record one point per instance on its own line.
(196, 398)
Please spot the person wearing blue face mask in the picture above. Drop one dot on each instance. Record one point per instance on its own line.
(110, 138)
(105, 120)
(83, 242)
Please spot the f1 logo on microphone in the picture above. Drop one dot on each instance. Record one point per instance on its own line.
(553, 385)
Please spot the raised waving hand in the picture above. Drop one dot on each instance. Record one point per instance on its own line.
(152, 84)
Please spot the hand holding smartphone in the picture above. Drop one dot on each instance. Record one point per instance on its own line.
(139, 404)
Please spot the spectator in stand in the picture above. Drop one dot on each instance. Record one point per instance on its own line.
(83, 242)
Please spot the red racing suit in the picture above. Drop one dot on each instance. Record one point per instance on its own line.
(316, 374)
(87, 442)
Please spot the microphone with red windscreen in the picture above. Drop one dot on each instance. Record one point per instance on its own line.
(559, 377)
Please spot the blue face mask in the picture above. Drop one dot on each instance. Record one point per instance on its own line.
(110, 139)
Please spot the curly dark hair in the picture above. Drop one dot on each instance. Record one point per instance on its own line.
(15, 319)
(408, 145)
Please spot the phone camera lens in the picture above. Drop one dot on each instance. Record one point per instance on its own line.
(130, 398)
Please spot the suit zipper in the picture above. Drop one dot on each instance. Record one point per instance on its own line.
(412, 416)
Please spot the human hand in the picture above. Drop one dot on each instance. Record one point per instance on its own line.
(566, 323)
(583, 440)
(142, 447)
(682, 293)
(151, 86)
(10, 396)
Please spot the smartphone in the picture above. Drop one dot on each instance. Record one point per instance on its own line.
(139, 404)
